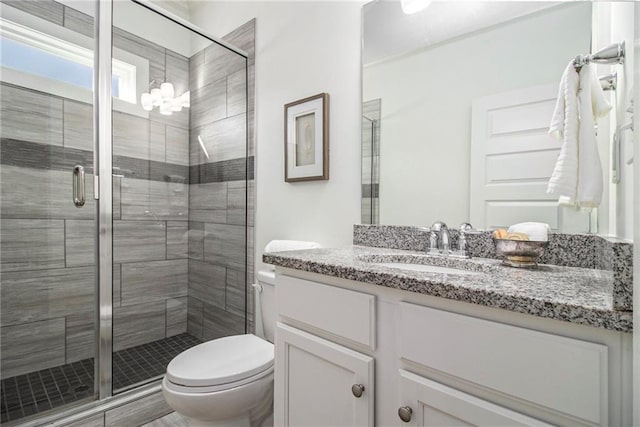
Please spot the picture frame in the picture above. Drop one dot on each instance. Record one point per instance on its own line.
(306, 139)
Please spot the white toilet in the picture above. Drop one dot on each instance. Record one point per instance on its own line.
(228, 381)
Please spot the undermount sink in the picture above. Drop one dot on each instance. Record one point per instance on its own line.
(426, 268)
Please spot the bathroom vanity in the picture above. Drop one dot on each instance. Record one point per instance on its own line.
(445, 347)
(360, 341)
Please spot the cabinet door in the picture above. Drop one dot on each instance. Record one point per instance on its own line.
(434, 404)
(314, 379)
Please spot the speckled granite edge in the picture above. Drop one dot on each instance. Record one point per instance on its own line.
(570, 250)
(391, 236)
(505, 296)
(622, 267)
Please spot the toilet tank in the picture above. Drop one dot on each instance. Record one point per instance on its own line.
(267, 278)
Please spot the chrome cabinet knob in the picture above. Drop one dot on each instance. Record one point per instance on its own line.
(405, 413)
(357, 390)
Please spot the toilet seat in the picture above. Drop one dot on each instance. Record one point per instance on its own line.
(220, 364)
(213, 388)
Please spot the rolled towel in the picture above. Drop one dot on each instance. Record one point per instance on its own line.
(537, 231)
(289, 245)
(502, 234)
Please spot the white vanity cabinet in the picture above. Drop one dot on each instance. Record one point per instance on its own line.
(321, 383)
(437, 361)
(318, 381)
(426, 403)
(564, 375)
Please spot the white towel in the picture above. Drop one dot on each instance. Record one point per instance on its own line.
(289, 245)
(577, 177)
(537, 231)
(564, 124)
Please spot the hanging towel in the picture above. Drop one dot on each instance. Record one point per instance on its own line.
(577, 177)
(564, 125)
(591, 106)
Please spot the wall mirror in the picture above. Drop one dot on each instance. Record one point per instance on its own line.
(457, 100)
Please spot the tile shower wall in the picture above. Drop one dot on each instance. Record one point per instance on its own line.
(47, 292)
(244, 38)
(151, 209)
(370, 200)
(221, 153)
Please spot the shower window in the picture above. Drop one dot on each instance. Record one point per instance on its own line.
(32, 52)
(46, 57)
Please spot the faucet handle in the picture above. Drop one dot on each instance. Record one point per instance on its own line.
(465, 226)
(438, 225)
(433, 242)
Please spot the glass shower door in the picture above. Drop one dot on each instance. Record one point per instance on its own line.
(179, 194)
(171, 223)
(47, 232)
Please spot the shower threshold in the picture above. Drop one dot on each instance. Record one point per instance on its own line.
(29, 394)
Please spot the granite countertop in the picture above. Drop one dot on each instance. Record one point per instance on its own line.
(578, 295)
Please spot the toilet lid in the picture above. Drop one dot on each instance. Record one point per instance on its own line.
(224, 360)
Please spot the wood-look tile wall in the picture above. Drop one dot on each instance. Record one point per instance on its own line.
(370, 200)
(47, 244)
(220, 210)
(182, 222)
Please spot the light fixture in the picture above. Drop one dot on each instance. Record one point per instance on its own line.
(164, 98)
(414, 6)
(146, 101)
(166, 91)
(176, 104)
(165, 108)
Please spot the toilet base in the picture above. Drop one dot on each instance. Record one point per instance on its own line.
(262, 420)
(268, 422)
(247, 405)
(236, 422)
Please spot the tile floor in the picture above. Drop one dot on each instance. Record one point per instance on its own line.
(171, 420)
(39, 391)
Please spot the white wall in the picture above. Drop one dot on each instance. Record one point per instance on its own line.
(612, 23)
(302, 49)
(622, 28)
(426, 106)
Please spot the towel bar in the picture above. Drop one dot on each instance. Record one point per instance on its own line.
(612, 54)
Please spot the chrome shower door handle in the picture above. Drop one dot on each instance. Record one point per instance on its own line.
(78, 186)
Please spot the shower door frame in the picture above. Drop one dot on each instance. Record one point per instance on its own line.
(103, 162)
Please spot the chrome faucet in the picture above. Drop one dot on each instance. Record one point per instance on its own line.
(439, 239)
(465, 227)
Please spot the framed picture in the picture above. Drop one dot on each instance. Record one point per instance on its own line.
(306, 139)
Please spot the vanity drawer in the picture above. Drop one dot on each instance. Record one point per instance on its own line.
(566, 375)
(338, 311)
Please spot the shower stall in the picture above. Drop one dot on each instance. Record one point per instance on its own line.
(124, 180)
(370, 156)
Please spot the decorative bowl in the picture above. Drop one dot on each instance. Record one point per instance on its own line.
(520, 253)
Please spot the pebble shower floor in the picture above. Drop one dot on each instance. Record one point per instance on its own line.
(39, 391)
